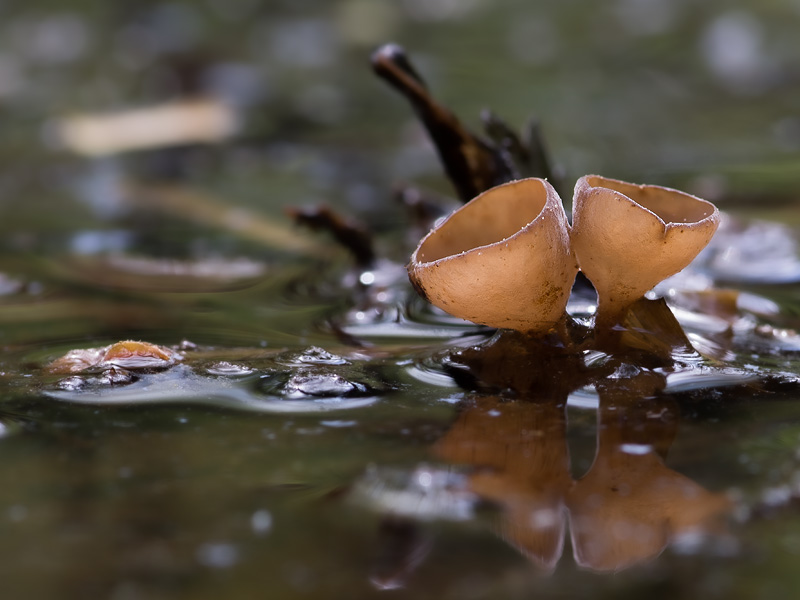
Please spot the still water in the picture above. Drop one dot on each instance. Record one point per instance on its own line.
(317, 430)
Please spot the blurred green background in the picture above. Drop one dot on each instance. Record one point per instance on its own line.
(702, 94)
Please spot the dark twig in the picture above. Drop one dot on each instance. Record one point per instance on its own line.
(539, 158)
(508, 143)
(527, 155)
(350, 234)
(472, 165)
(423, 207)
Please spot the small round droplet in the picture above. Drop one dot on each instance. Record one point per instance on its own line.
(116, 376)
(322, 385)
(227, 369)
(318, 356)
(72, 384)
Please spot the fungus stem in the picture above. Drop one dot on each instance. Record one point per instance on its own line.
(608, 323)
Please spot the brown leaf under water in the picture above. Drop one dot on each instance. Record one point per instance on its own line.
(649, 332)
(521, 365)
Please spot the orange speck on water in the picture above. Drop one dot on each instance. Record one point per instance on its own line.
(129, 349)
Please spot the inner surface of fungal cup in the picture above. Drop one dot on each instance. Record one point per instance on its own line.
(502, 260)
(628, 237)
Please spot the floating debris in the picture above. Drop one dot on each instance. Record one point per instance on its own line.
(129, 355)
(201, 120)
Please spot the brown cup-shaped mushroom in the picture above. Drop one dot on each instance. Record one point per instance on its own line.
(502, 260)
(629, 237)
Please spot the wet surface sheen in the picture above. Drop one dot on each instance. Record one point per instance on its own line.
(316, 430)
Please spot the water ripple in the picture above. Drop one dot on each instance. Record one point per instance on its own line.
(182, 385)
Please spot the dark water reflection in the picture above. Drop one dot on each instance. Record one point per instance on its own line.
(149, 498)
(626, 509)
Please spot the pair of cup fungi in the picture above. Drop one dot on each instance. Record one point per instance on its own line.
(509, 257)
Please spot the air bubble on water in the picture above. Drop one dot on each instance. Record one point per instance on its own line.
(72, 384)
(228, 369)
(315, 355)
(322, 385)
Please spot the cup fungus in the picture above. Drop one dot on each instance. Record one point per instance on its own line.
(629, 237)
(502, 260)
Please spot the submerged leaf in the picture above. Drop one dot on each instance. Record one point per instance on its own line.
(650, 328)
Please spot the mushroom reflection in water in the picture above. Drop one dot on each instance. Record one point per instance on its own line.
(625, 510)
(520, 453)
(629, 237)
(502, 260)
(630, 505)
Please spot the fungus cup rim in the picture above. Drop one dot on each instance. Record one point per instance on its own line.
(550, 196)
(590, 185)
